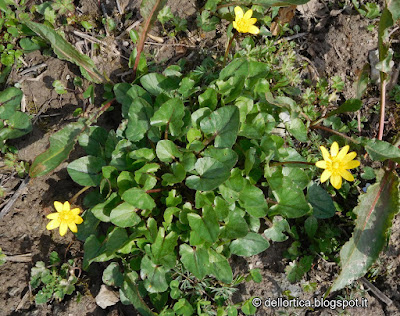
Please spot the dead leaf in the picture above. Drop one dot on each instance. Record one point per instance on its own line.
(106, 297)
(285, 15)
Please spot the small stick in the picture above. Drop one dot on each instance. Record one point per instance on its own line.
(33, 68)
(14, 198)
(289, 38)
(376, 291)
(382, 112)
(20, 258)
(159, 44)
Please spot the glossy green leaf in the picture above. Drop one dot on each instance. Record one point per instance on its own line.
(130, 290)
(167, 151)
(170, 114)
(61, 144)
(252, 199)
(157, 83)
(139, 199)
(223, 125)
(211, 172)
(195, 259)
(86, 171)
(10, 100)
(206, 226)
(65, 51)
(139, 115)
(276, 232)
(219, 267)
(297, 128)
(350, 105)
(163, 248)
(321, 202)
(249, 245)
(18, 125)
(124, 215)
(380, 150)
(235, 226)
(112, 275)
(375, 212)
(103, 210)
(153, 276)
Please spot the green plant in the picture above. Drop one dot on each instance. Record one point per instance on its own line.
(53, 282)
(203, 159)
(13, 122)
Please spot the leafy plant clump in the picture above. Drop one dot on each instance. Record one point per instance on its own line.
(53, 282)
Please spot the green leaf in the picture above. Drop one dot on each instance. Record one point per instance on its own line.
(220, 267)
(321, 202)
(112, 276)
(394, 7)
(139, 114)
(235, 226)
(61, 144)
(205, 226)
(297, 128)
(296, 271)
(139, 199)
(153, 276)
(163, 248)
(375, 212)
(183, 307)
(10, 100)
(275, 233)
(256, 275)
(157, 83)
(115, 240)
(291, 202)
(351, 105)
(226, 156)
(248, 308)
(223, 125)
(253, 200)
(311, 226)
(65, 51)
(211, 172)
(130, 290)
(86, 171)
(93, 141)
(195, 259)
(208, 99)
(171, 113)
(103, 210)
(19, 124)
(250, 245)
(59, 87)
(124, 215)
(167, 151)
(380, 150)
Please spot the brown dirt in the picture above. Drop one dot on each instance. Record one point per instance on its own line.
(337, 44)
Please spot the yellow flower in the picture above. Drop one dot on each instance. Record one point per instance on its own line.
(64, 218)
(244, 22)
(336, 164)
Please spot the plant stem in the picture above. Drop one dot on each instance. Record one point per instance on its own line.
(270, 201)
(382, 112)
(156, 190)
(229, 47)
(327, 129)
(290, 162)
(75, 197)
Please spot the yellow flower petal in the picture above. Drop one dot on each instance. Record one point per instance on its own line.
(58, 206)
(321, 164)
(238, 13)
(346, 175)
(63, 228)
(53, 224)
(352, 164)
(334, 149)
(235, 25)
(66, 206)
(349, 157)
(53, 216)
(336, 181)
(325, 175)
(342, 153)
(78, 220)
(75, 211)
(253, 30)
(325, 153)
(248, 14)
(72, 227)
(252, 21)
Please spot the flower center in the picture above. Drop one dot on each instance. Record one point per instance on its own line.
(243, 25)
(335, 165)
(65, 216)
